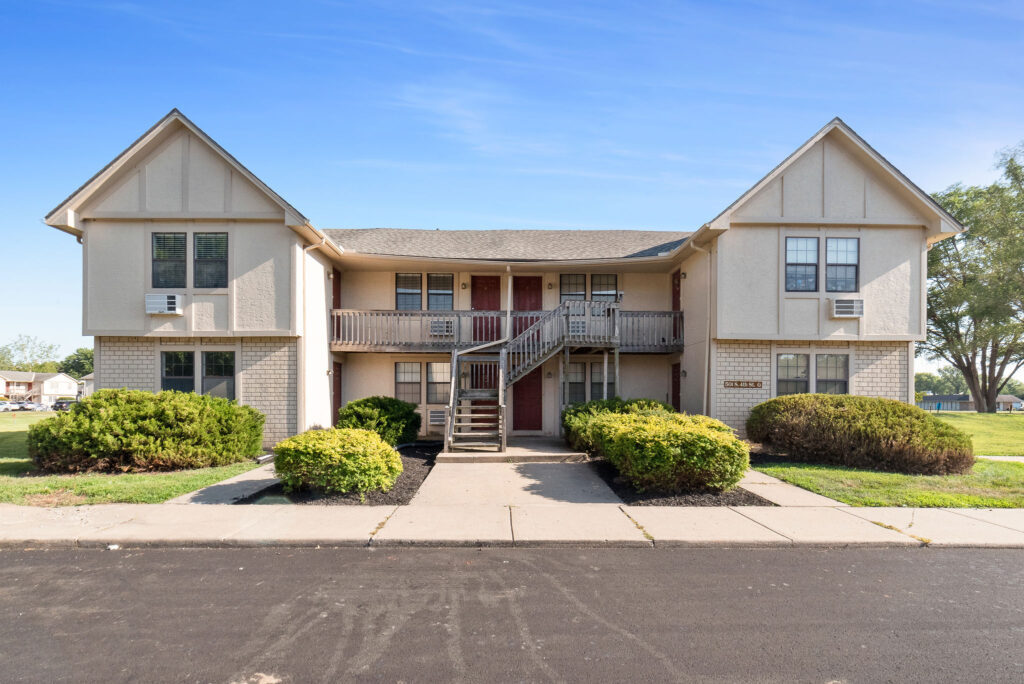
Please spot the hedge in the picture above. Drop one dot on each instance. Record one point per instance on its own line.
(119, 430)
(396, 421)
(656, 449)
(860, 432)
(337, 460)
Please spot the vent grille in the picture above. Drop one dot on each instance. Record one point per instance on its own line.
(435, 417)
(163, 304)
(847, 308)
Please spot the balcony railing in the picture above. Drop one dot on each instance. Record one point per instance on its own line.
(425, 331)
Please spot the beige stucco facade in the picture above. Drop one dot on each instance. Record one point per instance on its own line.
(288, 282)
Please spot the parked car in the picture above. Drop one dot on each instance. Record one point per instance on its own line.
(63, 404)
(6, 406)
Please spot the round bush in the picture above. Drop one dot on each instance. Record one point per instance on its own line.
(394, 420)
(119, 430)
(671, 453)
(337, 460)
(861, 432)
(576, 418)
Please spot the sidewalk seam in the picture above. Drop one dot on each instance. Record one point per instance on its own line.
(647, 535)
(380, 526)
(738, 509)
(922, 540)
(955, 511)
(511, 527)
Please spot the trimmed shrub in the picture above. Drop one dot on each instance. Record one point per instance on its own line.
(576, 418)
(131, 430)
(396, 421)
(861, 432)
(337, 460)
(671, 453)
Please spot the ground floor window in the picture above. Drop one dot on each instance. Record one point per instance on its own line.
(830, 373)
(576, 375)
(219, 374)
(407, 381)
(597, 382)
(438, 382)
(177, 371)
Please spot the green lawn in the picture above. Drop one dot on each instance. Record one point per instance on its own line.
(990, 484)
(994, 434)
(20, 484)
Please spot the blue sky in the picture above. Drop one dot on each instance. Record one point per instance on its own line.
(651, 115)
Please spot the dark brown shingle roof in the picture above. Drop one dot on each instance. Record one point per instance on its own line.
(508, 245)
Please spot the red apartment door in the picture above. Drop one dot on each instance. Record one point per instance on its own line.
(335, 392)
(677, 371)
(527, 295)
(486, 296)
(527, 405)
(677, 296)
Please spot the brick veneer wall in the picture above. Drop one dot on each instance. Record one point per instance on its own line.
(879, 369)
(266, 373)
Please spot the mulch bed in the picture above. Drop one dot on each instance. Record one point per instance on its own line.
(417, 460)
(625, 491)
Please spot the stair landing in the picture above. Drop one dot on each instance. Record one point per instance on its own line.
(520, 450)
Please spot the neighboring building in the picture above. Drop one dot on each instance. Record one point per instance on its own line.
(199, 277)
(963, 402)
(86, 386)
(41, 388)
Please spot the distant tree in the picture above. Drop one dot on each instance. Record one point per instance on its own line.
(952, 381)
(976, 283)
(28, 353)
(1014, 387)
(78, 364)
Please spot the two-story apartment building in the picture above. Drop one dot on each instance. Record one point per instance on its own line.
(197, 276)
(41, 388)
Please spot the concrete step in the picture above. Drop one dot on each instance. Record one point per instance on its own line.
(477, 394)
(461, 454)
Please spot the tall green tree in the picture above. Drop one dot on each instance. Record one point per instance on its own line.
(27, 353)
(976, 283)
(78, 364)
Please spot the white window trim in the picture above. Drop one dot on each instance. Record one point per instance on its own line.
(198, 349)
(812, 366)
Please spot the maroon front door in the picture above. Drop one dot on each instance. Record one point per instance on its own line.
(677, 371)
(527, 413)
(677, 295)
(527, 295)
(335, 392)
(486, 296)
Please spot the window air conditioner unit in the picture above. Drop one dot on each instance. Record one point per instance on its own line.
(164, 304)
(442, 326)
(847, 308)
(435, 417)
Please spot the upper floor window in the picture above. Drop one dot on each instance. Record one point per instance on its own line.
(572, 286)
(842, 258)
(604, 287)
(440, 291)
(169, 260)
(408, 291)
(210, 260)
(801, 264)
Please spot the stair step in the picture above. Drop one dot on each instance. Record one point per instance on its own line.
(466, 358)
(476, 423)
(477, 433)
(478, 394)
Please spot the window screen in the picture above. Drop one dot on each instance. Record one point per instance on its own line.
(801, 264)
(219, 374)
(407, 382)
(596, 384)
(210, 261)
(842, 257)
(576, 374)
(408, 291)
(832, 374)
(169, 260)
(438, 382)
(793, 374)
(572, 286)
(177, 371)
(604, 287)
(440, 291)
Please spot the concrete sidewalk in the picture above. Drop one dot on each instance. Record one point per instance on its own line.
(173, 525)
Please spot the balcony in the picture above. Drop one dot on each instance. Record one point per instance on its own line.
(592, 324)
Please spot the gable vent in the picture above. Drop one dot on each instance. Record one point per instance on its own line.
(847, 308)
(164, 304)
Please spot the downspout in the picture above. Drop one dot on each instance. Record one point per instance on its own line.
(300, 403)
(707, 336)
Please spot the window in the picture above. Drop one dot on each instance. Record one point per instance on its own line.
(596, 384)
(210, 260)
(440, 291)
(801, 264)
(177, 371)
(842, 256)
(576, 374)
(793, 374)
(407, 382)
(604, 287)
(572, 286)
(832, 373)
(439, 377)
(408, 291)
(169, 260)
(219, 374)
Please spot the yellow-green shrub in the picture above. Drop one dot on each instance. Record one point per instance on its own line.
(861, 432)
(576, 418)
(337, 460)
